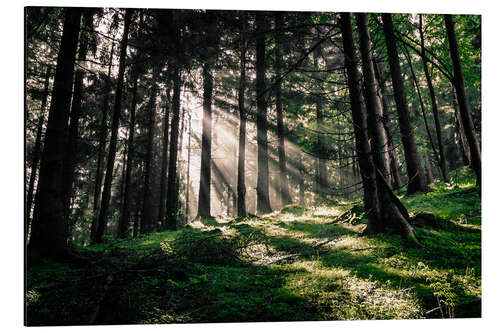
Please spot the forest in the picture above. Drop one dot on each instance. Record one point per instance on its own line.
(208, 166)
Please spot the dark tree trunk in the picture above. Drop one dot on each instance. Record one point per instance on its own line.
(321, 174)
(148, 223)
(69, 163)
(263, 203)
(302, 187)
(374, 110)
(103, 134)
(204, 196)
(421, 102)
(396, 182)
(171, 213)
(391, 212)
(124, 223)
(164, 163)
(241, 188)
(36, 150)
(460, 129)
(106, 194)
(414, 167)
(442, 158)
(458, 82)
(428, 167)
(48, 236)
(363, 152)
(284, 190)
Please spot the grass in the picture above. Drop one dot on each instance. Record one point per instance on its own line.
(290, 265)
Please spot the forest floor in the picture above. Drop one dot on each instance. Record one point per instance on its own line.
(296, 264)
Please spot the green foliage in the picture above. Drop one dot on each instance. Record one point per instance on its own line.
(292, 265)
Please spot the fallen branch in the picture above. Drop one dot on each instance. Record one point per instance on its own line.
(93, 317)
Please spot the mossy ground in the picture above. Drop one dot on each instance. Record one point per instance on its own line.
(286, 266)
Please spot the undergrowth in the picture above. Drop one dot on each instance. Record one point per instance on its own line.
(297, 264)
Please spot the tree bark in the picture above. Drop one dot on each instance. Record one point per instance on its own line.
(48, 236)
(164, 163)
(460, 129)
(375, 115)
(171, 212)
(363, 152)
(106, 194)
(284, 190)
(263, 203)
(204, 196)
(69, 163)
(36, 151)
(321, 174)
(241, 188)
(414, 167)
(103, 134)
(459, 83)
(396, 182)
(442, 158)
(148, 223)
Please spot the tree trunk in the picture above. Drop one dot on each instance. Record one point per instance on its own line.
(148, 223)
(396, 182)
(241, 188)
(391, 212)
(263, 203)
(428, 167)
(461, 135)
(414, 167)
(103, 134)
(36, 150)
(164, 163)
(421, 102)
(124, 223)
(442, 158)
(48, 236)
(375, 115)
(106, 194)
(363, 153)
(284, 190)
(69, 163)
(321, 174)
(171, 213)
(458, 82)
(204, 196)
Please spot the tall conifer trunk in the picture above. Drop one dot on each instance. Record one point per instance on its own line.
(241, 188)
(263, 203)
(459, 83)
(414, 167)
(106, 194)
(284, 191)
(48, 235)
(36, 150)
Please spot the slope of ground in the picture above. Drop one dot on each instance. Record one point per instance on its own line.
(297, 264)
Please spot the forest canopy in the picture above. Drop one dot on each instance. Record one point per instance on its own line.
(145, 121)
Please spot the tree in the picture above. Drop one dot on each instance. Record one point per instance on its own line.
(414, 167)
(263, 203)
(284, 191)
(206, 141)
(106, 194)
(241, 188)
(103, 134)
(442, 158)
(69, 163)
(363, 153)
(37, 148)
(164, 161)
(464, 107)
(48, 235)
(148, 223)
